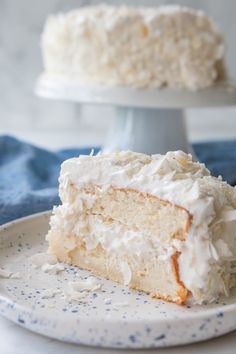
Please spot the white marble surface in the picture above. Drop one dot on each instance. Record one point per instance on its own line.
(16, 340)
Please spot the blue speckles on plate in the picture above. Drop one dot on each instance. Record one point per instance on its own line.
(130, 319)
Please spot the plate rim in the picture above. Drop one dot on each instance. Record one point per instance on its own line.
(7, 224)
(221, 94)
(114, 323)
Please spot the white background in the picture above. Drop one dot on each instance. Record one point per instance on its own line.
(54, 124)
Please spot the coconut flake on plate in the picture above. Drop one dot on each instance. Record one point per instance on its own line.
(50, 293)
(118, 305)
(7, 274)
(39, 259)
(89, 284)
(53, 268)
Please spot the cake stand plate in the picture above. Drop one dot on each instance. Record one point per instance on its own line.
(145, 120)
(222, 94)
(113, 316)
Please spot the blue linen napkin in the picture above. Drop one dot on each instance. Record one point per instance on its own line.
(29, 175)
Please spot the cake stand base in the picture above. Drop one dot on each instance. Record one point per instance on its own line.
(147, 130)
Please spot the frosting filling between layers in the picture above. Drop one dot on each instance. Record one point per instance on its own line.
(94, 230)
(111, 219)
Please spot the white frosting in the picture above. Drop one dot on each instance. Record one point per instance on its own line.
(141, 47)
(208, 256)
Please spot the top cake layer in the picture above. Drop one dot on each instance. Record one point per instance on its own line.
(142, 47)
(208, 254)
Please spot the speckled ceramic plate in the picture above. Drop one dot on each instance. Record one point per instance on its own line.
(111, 317)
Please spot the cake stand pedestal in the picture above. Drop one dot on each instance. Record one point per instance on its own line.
(147, 130)
(146, 120)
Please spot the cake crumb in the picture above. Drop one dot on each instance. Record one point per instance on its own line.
(7, 274)
(53, 268)
(79, 290)
(15, 275)
(89, 284)
(118, 305)
(48, 263)
(107, 301)
(77, 296)
(39, 259)
(50, 293)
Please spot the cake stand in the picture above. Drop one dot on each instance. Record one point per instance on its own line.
(146, 120)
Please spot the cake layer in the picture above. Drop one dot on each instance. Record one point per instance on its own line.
(191, 214)
(142, 47)
(123, 235)
(158, 278)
